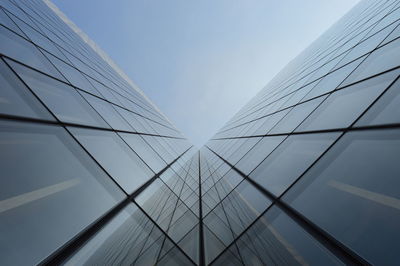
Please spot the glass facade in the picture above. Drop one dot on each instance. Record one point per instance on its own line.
(92, 173)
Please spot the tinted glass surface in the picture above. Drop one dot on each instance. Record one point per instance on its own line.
(61, 188)
(352, 193)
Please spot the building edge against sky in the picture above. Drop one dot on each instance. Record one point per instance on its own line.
(305, 173)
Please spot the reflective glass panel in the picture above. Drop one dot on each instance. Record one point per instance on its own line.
(342, 107)
(290, 160)
(352, 193)
(16, 99)
(63, 100)
(115, 156)
(58, 187)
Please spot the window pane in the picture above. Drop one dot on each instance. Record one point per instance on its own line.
(344, 106)
(61, 188)
(63, 100)
(296, 116)
(277, 240)
(212, 245)
(115, 156)
(384, 58)
(352, 193)
(107, 112)
(121, 242)
(332, 80)
(386, 110)
(282, 167)
(190, 244)
(20, 49)
(16, 99)
(243, 206)
(144, 150)
(258, 153)
(75, 77)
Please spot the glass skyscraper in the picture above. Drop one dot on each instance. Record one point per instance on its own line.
(307, 173)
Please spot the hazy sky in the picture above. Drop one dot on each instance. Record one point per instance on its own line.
(200, 61)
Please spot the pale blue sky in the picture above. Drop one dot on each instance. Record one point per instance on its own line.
(200, 61)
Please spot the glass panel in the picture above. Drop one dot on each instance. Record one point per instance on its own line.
(120, 242)
(243, 206)
(270, 122)
(174, 257)
(159, 202)
(75, 77)
(150, 253)
(384, 58)
(37, 38)
(344, 106)
(385, 111)
(282, 167)
(240, 149)
(145, 151)
(63, 100)
(16, 99)
(107, 111)
(19, 49)
(258, 153)
(352, 193)
(227, 183)
(228, 258)
(156, 145)
(332, 80)
(61, 188)
(219, 225)
(180, 227)
(6, 21)
(277, 240)
(296, 116)
(115, 156)
(212, 245)
(190, 244)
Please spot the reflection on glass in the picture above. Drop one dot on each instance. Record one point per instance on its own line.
(61, 188)
(385, 111)
(296, 116)
(107, 112)
(258, 153)
(128, 239)
(190, 244)
(145, 151)
(352, 193)
(128, 170)
(285, 164)
(16, 99)
(75, 77)
(384, 58)
(63, 100)
(344, 106)
(275, 239)
(212, 245)
(332, 80)
(20, 49)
